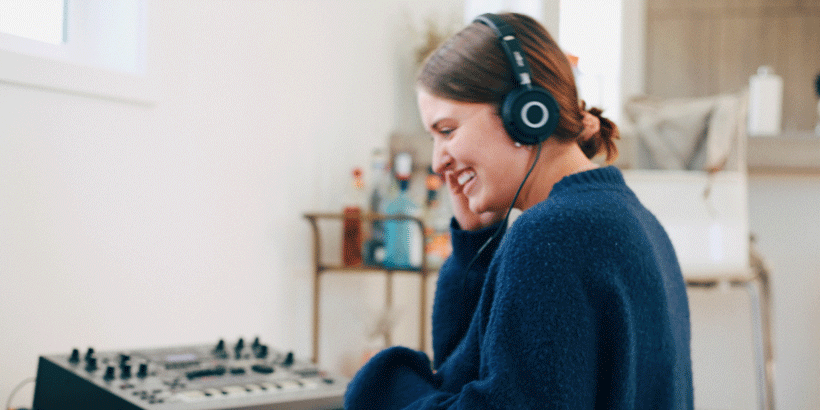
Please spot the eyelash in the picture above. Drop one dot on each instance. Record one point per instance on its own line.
(444, 132)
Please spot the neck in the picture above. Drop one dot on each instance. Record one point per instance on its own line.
(557, 161)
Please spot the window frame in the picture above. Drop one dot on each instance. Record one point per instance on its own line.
(68, 68)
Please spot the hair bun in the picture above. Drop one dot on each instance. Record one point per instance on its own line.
(603, 140)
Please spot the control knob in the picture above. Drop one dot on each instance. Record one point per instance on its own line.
(75, 356)
(143, 371)
(91, 364)
(109, 373)
(126, 371)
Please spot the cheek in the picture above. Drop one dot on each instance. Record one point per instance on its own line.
(459, 149)
(505, 172)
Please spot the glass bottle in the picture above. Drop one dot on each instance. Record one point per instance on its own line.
(374, 246)
(402, 236)
(436, 221)
(352, 222)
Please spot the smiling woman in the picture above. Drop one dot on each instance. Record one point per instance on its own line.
(581, 303)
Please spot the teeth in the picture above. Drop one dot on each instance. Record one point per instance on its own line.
(465, 177)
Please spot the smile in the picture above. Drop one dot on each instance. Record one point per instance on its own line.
(464, 177)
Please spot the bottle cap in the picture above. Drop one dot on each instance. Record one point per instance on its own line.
(358, 183)
(404, 165)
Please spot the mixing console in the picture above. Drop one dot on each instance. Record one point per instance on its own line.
(202, 377)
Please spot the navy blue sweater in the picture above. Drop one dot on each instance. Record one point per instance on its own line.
(580, 305)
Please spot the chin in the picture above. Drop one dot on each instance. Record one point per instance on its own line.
(479, 207)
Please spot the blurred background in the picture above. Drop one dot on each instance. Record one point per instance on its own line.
(153, 191)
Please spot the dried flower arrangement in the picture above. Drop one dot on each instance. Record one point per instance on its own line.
(432, 37)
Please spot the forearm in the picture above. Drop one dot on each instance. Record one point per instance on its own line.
(457, 293)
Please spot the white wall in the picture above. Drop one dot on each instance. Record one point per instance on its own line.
(128, 226)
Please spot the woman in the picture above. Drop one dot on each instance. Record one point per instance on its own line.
(581, 303)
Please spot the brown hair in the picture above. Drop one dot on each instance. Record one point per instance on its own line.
(471, 67)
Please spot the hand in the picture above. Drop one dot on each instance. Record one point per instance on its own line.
(467, 219)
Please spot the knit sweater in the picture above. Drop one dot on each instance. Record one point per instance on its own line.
(580, 305)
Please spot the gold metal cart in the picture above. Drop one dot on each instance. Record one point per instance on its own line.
(321, 268)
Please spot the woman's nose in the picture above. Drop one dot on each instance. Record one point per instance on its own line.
(441, 159)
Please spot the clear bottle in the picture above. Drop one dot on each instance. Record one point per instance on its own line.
(374, 245)
(436, 221)
(402, 236)
(352, 222)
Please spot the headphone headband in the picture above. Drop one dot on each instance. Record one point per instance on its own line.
(530, 113)
(515, 54)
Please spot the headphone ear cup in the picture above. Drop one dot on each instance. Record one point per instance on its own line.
(530, 115)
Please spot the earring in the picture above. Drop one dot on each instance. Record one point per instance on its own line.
(518, 145)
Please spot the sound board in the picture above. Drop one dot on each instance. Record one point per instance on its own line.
(200, 377)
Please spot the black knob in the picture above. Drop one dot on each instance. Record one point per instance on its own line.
(256, 343)
(288, 360)
(240, 344)
(261, 351)
(91, 363)
(126, 371)
(124, 358)
(89, 354)
(109, 373)
(219, 350)
(75, 356)
(143, 371)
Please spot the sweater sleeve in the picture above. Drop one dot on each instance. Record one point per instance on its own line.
(519, 352)
(394, 378)
(457, 291)
(528, 356)
(538, 333)
(398, 377)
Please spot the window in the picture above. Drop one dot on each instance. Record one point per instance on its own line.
(591, 31)
(90, 47)
(39, 20)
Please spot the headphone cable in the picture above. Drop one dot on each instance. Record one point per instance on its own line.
(503, 224)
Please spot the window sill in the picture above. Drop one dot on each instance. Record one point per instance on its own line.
(60, 76)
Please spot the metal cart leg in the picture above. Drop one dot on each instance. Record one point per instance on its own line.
(316, 287)
(760, 294)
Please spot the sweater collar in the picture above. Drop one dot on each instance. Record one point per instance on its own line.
(608, 175)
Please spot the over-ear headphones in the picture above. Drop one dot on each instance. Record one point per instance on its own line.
(529, 112)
